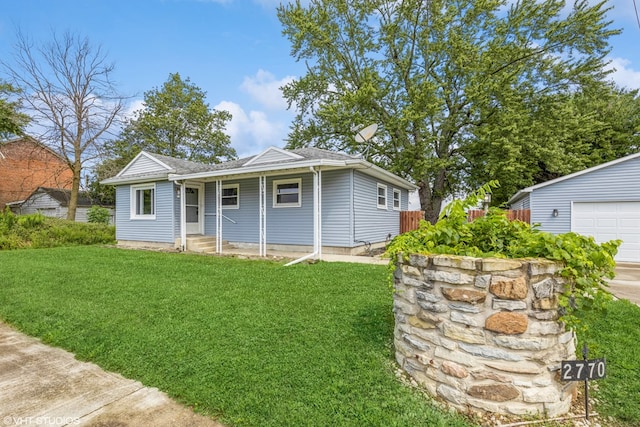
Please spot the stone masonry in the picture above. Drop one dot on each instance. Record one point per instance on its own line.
(483, 333)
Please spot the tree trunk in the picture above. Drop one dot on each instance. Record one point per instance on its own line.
(75, 190)
(429, 202)
(431, 197)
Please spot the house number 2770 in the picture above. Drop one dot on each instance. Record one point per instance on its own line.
(583, 370)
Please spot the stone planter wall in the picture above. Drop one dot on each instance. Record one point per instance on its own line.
(482, 333)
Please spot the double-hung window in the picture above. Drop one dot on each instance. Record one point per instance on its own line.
(231, 196)
(396, 199)
(143, 201)
(287, 193)
(382, 196)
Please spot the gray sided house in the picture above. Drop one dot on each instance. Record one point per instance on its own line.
(54, 202)
(305, 200)
(602, 201)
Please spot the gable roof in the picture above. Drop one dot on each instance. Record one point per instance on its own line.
(522, 193)
(33, 141)
(271, 161)
(63, 196)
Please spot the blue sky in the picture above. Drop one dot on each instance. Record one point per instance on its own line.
(232, 49)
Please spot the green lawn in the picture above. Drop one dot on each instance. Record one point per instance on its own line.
(250, 342)
(256, 343)
(616, 336)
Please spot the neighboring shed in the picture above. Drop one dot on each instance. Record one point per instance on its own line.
(54, 202)
(299, 200)
(25, 165)
(602, 201)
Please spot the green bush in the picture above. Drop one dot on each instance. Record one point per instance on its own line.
(32, 220)
(98, 214)
(586, 263)
(39, 231)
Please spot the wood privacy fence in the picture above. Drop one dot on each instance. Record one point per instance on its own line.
(523, 215)
(409, 220)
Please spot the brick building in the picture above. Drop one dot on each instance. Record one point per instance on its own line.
(26, 164)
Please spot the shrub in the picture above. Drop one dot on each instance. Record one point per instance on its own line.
(39, 231)
(98, 214)
(32, 220)
(586, 263)
(7, 219)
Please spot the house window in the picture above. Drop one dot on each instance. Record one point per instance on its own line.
(143, 201)
(382, 196)
(396, 199)
(231, 196)
(287, 193)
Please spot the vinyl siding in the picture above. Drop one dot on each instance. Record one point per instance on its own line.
(337, 209)
(158, 230)
(617, 183)
(272, 156)
(246, 226)
(523, 203)
(291, 226)
(143, 165)
(285, 225)
(45, 204)
(371, 223)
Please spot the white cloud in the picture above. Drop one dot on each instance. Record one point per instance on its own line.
(253, 132)
(623, 75)
(265, 89)
(135, 105)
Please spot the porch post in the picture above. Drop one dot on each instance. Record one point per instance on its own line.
(262, 214)
(318, 237)
(219, 216)
(183, 217)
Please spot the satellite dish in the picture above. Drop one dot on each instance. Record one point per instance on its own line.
(366, 133)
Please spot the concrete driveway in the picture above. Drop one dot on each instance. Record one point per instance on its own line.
(42, 385)
(626, 284)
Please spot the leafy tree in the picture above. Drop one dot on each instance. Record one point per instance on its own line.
(12, 122)
(562, 134)
(176, 121)
(441, 77)
(66, 83)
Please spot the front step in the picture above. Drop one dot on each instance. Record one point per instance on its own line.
(203, 244)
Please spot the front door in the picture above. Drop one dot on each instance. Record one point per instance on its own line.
(192, 200)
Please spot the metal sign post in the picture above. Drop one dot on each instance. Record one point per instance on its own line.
(584, 370)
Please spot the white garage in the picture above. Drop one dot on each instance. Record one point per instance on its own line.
(608, 221)
(602, 201)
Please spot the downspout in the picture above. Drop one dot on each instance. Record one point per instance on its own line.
(183, 218)
(317, 223)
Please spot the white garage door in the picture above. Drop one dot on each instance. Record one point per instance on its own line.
(611, 220)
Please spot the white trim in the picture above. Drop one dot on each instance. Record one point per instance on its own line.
(286, 153)
(262, 238)
(237, 187)
(183, 217)
(393, 202)
(386, 196)
(135, 159)
(219, 216)
(134, 201)
(297, 168)
(200, 188)
(277, 182)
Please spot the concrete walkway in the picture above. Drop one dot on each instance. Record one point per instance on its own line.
(46, 386)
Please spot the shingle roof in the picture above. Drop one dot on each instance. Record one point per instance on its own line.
(63, 196)
(181, 166)
(308, 153)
